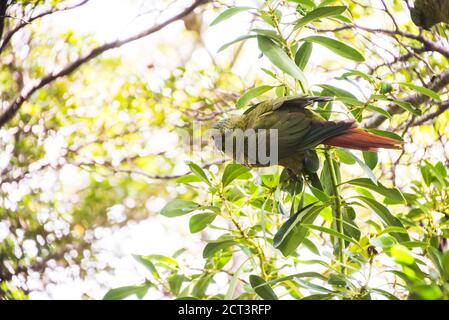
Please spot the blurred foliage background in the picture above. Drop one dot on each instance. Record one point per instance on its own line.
(94, 95)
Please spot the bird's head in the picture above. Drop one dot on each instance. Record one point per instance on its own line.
(223, 129)
(225, 124)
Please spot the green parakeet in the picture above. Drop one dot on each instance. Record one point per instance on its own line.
(299, 131)
(427, 13)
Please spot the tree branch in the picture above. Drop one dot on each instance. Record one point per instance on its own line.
(3, 6)
(25, 22)
(15, 105)
(431, 115)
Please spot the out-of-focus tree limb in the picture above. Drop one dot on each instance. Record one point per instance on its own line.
(26, 93)
(23, 22)
(442, 107)
(3, 6)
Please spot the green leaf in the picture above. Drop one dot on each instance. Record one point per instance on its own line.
(379, 110)
(280, 59)
(365, 168)
(159, 258)
(386, 294)
(386, 216)
(291, 234)
(338, 47)
(384, 241)
(402, 255)
(179, 207)
(234, 171)
(349, 226)
(357, 73)
(319, 194)
(233, 283)
(407, 106)
(425, 91)
(342, 18)
(308, 3)
(445, 264)
(198, 171)
(332, 232)
(337, 280)
(319, 13)
(437, 259)
(228, 13)
(200, 221)
(200, 287)
(280, 91)
(384, 133)
(338, 92)
(268, 33)
(315, 275)
(214, 246)
(188, 178)
(251, 94)
(324, 3)
(394, 229)
(144, 260)
(175, 282)
(344, 156)
(370, 159)
(261, 287)
(326, 177)
(391, 193)
(124, 292)
(302, 56)
(242, 38)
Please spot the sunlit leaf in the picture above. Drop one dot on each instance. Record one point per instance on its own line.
(198, 171)
(200, 221)
(370, 159)
(425, 91)
(214, 246)
(239, 39)
(337, 46)
(280, 59)
(228, 13)
(124, 292)
(303, 54)
(251, 94)
(391, 193)
(179, 207)
(319, 13)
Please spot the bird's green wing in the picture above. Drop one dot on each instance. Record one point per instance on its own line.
(298, 129)
(296, 101)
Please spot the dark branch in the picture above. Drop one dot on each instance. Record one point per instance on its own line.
(431, 115)
(3, 6)
(24, 22)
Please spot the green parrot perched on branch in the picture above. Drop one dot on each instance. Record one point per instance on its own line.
(427, 13)
(298, 131)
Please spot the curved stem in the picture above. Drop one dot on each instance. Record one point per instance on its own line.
(338, 217)
(256, 246)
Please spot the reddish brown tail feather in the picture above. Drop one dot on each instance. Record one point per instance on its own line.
(361, 140)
